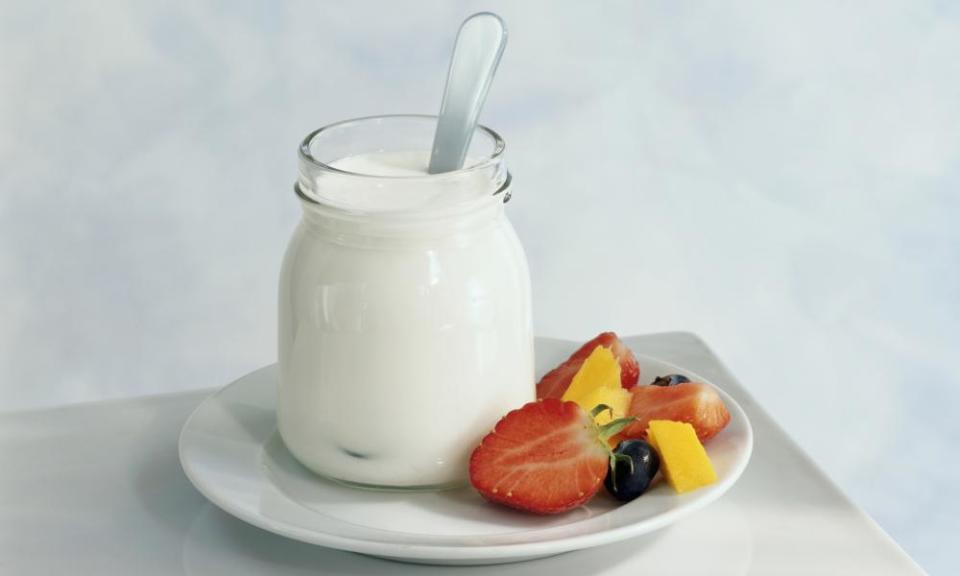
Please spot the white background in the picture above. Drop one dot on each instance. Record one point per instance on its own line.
(781, 178)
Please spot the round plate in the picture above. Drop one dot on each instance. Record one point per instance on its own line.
(231, 452)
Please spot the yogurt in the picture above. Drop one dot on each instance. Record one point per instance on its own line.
(404, 322)
(405, 193)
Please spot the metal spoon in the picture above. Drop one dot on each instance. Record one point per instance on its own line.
(480, 43)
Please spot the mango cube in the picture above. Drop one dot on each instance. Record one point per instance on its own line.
(618, 399)
(598, 382)
(683, 460)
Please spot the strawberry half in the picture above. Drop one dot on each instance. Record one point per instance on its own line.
(546, 457)
(555, 382)
(692, 402)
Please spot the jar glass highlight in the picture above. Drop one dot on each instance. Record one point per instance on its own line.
(404, 311)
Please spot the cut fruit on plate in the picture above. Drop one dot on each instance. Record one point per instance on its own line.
(598, 383)
(692, 402)
(617, 400)
(599, 370)
(545, 457)
(686, 465)
(555, 382)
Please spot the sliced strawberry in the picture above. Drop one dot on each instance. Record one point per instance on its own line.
(546, 457)
(555, 382)
(692, 402)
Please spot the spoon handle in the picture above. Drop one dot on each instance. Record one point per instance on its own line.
(480, 43)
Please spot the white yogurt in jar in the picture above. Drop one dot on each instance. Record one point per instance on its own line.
(402, 340)
(405, 194)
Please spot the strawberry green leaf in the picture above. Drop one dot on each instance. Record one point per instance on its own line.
(600, 408)
(611, 428)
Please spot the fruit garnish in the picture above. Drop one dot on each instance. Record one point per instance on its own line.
(598, 382)
(555, 382)
(670, 380)
(616, 399)
(599, 370)
(546, 457)
(685, 463)
(698, 404)
(631, 477)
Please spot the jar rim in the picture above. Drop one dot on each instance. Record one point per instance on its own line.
(307, 156)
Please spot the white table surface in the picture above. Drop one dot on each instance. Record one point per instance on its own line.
(97, 489)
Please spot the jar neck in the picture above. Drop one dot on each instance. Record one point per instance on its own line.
(379, 164)
(355, 226)
(368, 177)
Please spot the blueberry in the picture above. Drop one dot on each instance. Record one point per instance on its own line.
(670, 380)
(633, 466)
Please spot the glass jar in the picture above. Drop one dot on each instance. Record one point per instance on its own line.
(404, 312)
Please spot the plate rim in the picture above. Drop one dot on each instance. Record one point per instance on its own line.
(436, 551)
